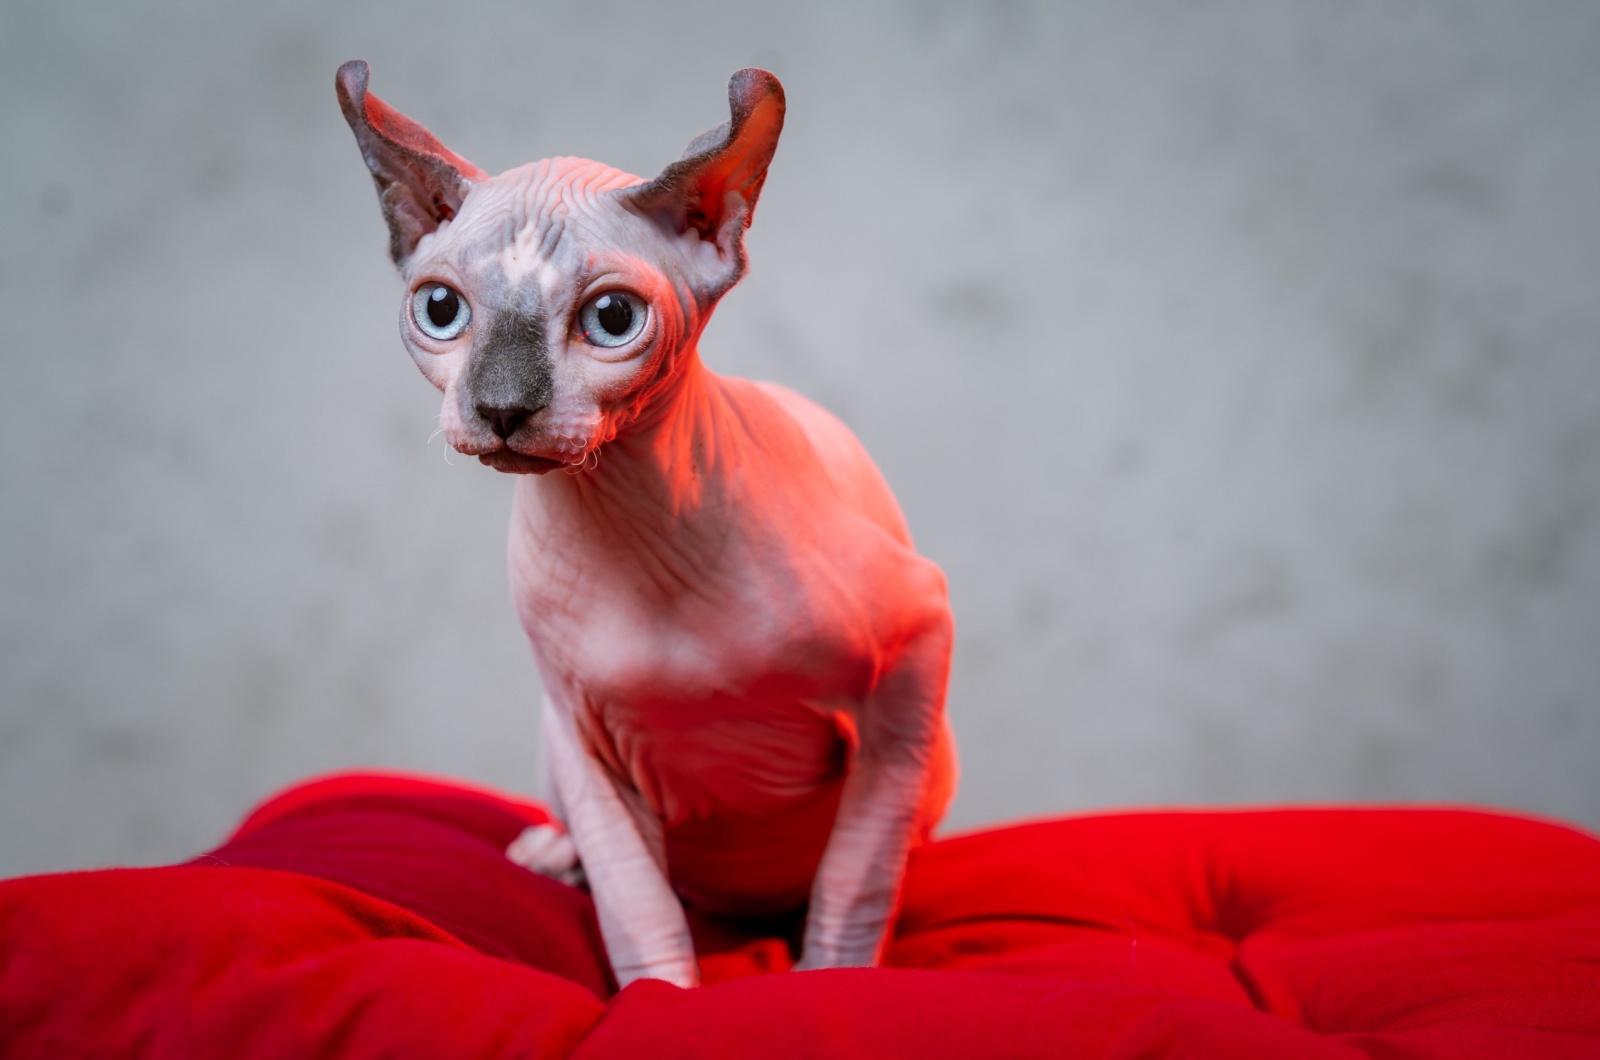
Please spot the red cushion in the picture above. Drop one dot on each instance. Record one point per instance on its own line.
(376, 916)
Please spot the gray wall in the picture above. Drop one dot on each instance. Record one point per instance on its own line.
(1237, 361)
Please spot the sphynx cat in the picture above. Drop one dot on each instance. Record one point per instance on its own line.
(744, 660)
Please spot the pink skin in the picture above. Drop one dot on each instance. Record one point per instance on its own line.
(744, 659)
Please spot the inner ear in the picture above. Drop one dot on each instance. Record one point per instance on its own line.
(421, 183)
(712, 189)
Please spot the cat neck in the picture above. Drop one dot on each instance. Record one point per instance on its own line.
(661, 475)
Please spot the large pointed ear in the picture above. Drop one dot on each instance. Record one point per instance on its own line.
(712, 189)
(420, 181)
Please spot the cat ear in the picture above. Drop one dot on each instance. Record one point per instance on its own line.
(421, 183)
(712, 190)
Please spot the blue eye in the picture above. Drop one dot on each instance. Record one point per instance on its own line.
(440, 311)
(612, 319)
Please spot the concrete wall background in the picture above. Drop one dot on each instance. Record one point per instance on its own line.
(1239, 362)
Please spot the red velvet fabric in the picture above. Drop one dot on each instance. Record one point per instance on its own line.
(367, 916)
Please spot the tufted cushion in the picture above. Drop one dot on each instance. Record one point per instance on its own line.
(375, 916)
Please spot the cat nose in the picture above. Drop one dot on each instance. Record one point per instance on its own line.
(505, 421)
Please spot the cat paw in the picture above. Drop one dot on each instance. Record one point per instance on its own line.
(549, 851)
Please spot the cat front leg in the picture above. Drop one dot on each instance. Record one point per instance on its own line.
(641, 919)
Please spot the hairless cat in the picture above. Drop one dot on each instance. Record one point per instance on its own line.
(743, 657)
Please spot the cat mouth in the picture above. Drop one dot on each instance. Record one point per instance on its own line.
(514, 463)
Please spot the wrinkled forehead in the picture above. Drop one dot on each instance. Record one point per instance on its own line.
(532, 228)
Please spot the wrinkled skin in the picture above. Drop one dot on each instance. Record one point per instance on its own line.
(744, 659)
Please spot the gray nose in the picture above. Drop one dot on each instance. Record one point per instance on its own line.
(505, 421)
